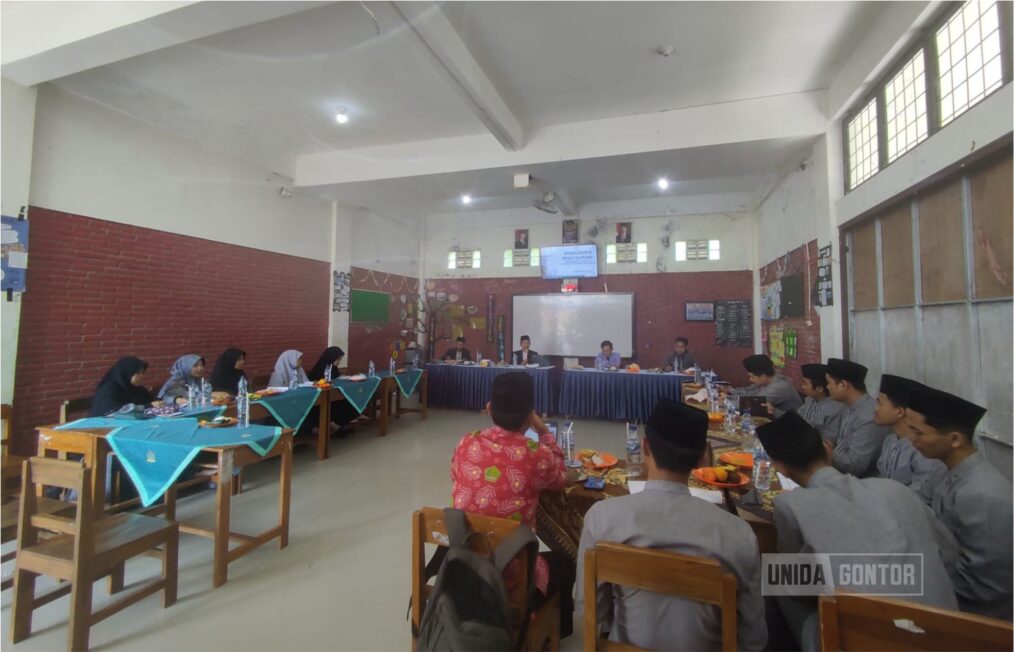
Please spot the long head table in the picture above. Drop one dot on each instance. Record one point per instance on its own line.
(468, 387)
(617, 395)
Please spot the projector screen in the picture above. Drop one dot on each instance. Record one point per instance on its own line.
(574, 324)
(570, 261)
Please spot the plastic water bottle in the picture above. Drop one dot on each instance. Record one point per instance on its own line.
(712, 398)
(243, 404)
(372, 373)
(761, 469)
(730, 416)
(569, 445)
(191, 397)
(293, 379)
(393, 368)
(327, 372)
(205, 394)
(478, 358)
(634, 467)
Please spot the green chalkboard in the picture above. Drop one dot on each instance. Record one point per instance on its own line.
(370, 306)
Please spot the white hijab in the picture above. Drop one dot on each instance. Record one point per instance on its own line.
(284, 366)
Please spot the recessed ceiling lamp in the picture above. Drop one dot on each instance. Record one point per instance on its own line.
(466, 199)
(663, 183)
(341, 116)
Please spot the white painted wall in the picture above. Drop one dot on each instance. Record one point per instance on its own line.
(92, 161)
(382, 243)
(492, 232)
(17, 128)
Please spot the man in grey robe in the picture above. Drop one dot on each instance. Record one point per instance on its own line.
(777, 389)
(899, 460)
(857, 444)
(819, 409)
(973, 500)
(680, 358)
(666, 516)
(835, 513)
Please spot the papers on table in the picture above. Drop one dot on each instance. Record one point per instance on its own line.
(710, 495)
(787, 485)
(700, 397)
(278, 390)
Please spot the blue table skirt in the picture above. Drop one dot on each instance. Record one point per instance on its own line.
(615, 394)
(470, 387)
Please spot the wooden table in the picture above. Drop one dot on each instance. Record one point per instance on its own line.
(388, 386)
(94, 448)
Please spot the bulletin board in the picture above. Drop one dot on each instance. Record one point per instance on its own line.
(369, 306)
(15, 253)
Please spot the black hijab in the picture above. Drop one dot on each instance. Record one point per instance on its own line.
(330, 355)
(115, 390)
(225, 377)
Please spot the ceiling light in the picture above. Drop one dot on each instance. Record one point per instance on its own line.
(342, 115)
(466, 199)
(663, 183)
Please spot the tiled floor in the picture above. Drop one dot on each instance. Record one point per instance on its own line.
(343, 581)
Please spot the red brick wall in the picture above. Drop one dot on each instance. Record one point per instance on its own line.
(372, 341)
(658, 306)
(99, 290)
(807, 328)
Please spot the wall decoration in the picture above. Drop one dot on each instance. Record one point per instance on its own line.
(776, 345)
(570, 231)
(500, 346)
(824, 293)
(369, 306)
(699, 311)
(791, 342)
(626, 253)
(521, 238)
(521, 258)
(477, 323)
(734, 323)
(490, 316)
(342, 292)
(624, 233)
(472, 310)
(771, 301)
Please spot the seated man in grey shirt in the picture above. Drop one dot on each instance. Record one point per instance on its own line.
(777, 389)
(680, 358)
(899, 460)
(857, 444)
(666, 516)
(819, 409)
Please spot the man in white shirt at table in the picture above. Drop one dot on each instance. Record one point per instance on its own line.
(666, 516)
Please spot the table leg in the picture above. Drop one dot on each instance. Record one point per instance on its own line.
(223, 498)
(397, 401)
(284, 494)
(385, 404)
(324, 426)
(424, 395)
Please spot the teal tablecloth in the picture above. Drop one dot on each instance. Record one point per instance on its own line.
(290, 408)
(358, 394)
(407, 380)
(207, 413)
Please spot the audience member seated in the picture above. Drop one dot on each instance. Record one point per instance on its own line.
(857, 444)
(832, 512)
(776, 388)
(185, 372)
(122, 385)
(972, 499)
(289, 365)
(342, 412)
(665, 515)
(500, 472)
(227, 372)
(819, 409)
(899, 460)
(459, 353)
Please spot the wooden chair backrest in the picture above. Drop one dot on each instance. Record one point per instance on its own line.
(42, 471)
(428, 527)
(669, 573)
(6, 411)
(259, 382)
(75, 406)
(855, 622)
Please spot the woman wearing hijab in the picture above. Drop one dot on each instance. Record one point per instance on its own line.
(228, 371)
(288, 362)
(331, 357)
(122, 385)
(185, 372)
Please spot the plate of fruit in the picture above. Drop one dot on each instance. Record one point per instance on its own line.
(716, 417)
(737, 458)
(723, 477)
(594, 459)
(218, 422)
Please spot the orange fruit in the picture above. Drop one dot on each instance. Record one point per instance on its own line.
(708, 475)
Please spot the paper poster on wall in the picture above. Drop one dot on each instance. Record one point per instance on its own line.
(521, 258)
(457, 330)
(791, 343)
(771, 301)
(824, 294)
(500, 342)
(14, 253)
(342, 292)
(626, 253)
(477, 323)
(490, 317)
(776, 345)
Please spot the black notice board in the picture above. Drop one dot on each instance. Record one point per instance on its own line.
(734, 323)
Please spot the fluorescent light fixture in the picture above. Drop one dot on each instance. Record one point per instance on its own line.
(341, 116)
(466, 199)
(663, 183)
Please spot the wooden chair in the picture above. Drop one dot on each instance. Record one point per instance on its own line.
(669, 573)
(87, 550)
(855, 622)
(428, 527)
(259, 382)
(75, 406)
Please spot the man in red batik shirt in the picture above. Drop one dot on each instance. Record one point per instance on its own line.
(500, 472)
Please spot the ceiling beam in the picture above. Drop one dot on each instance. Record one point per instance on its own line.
(442, 45)
(49, 40)
(565, 202)
(781, 116)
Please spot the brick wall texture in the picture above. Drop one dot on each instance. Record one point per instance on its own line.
(807, 327)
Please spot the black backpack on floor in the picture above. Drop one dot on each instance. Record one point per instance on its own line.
(468, 608)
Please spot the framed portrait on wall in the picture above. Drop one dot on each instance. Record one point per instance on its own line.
(623, 232)
(570, 229)
(699, 311)
(521, 238)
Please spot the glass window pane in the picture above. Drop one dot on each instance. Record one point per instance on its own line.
(508, 258)
(611, 253)
(681, 250)
(862, 145)
(476, 259)
(642, 252)
(452, 259)
(535, 254)
(905, 108)
(969, 44)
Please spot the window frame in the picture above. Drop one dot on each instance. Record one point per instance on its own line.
(926, 41)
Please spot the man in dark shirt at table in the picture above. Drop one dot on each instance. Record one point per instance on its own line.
(459, 353)
(525, 355)
(680, 358)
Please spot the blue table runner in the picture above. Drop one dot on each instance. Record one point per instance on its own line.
(619, 395)
(469, 387)
(357, 393)
(290, 408)
(407, 380)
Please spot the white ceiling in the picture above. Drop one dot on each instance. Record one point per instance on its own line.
(267, 92)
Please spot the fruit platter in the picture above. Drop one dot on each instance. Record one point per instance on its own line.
(723, 477)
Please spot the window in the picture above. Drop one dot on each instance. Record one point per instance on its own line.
(905, 107)
(642, 252)
(862, 145)
(627, 253)
(697, 250)
(452, 260)
(968, 47)
(464, 259)
(610, 254)
(533, 258)
(476, 259)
